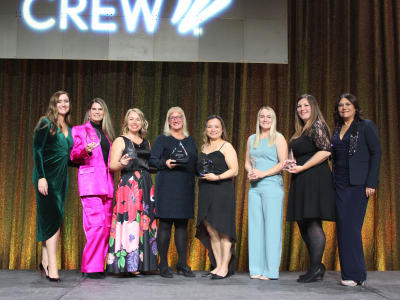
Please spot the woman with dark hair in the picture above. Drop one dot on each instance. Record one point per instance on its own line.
(96, 183)
(174, 189)
(356, 157)
(51, 145)
(311, 198)
(216, 224)
(133, 246)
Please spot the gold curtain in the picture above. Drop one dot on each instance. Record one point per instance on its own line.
(335, 46)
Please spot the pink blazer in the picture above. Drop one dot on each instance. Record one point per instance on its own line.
(94, 177)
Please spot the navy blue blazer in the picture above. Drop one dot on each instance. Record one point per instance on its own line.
(365, 158)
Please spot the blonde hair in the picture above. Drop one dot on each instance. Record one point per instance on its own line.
(145, 124)
(316, 115)
(224, 135)
(167, 129)
(107, 126)
(52, 114)
(272, 130)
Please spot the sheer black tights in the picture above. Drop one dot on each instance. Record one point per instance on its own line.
(164, 237)
(314, 237)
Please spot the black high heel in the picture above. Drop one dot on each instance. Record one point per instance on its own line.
(322, 265)
(187, 272)
(312, 275)
(53, 279)
(166, 272)
(42, 270)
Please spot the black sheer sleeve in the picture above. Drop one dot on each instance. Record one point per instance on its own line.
(319, 134)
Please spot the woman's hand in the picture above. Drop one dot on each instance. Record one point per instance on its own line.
(89, 147)
(296, 169)
(210, 177)
(369, 191)
(287, 162)
(43, 187)
(125, 160)
(255, 174)
(171, 163)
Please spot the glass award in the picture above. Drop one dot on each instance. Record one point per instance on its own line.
(179, 155)
(131, 151)
(291, 161)
(253, 162)
(93, 136)
(208, 167)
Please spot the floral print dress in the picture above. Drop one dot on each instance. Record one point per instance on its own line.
(132, 245)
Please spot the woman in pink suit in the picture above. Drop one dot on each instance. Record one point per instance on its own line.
(92, 144)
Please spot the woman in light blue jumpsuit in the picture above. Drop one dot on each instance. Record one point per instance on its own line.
(266, 152)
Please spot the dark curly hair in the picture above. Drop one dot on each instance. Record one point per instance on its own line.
(359, 114)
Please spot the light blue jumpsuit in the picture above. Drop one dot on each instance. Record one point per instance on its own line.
(265, 214)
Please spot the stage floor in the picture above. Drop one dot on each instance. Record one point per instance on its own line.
(27, 284)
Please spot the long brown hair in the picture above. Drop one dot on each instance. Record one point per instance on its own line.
(316, 115)
(106, 124)
(52, 114)
(224, 135)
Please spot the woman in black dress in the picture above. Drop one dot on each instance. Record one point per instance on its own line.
(356, 157)
(132, 245)
(174, 189)
(216, 224)
(311, 198)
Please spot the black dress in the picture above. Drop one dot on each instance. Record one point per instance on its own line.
(216, 205)
(133, 245)
(311, 191)
(174, 187)
(351, 204)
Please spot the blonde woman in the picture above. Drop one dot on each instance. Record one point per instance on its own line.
(133, 246)
(96, 184)
(311, 197)
(174, 189)
(265, 154)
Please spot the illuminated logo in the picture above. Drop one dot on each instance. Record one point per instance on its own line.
(187, 16)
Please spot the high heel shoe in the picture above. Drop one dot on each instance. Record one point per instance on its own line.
(312, 275)
(42, 270)
(166, 273)
(187, 272)
(52, 279)
(322, 265)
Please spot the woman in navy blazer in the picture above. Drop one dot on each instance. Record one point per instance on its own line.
(356, 157)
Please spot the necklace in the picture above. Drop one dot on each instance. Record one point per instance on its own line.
(178, 138)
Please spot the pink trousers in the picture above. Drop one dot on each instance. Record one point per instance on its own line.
(97, 214)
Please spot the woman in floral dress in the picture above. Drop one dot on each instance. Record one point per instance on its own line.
(133, 246)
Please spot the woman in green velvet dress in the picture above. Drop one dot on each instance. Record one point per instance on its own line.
(51, 145)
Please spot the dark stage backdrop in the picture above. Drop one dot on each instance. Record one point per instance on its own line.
(335, 46)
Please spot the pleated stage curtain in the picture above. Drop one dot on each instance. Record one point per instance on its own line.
(335, 46)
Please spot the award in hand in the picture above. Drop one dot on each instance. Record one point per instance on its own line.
(93, 136)
(179, 155)
(208, 167)
(291, 161)
(131, 151)
(253, 162)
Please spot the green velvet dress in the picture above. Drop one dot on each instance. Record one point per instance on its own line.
(51, 156)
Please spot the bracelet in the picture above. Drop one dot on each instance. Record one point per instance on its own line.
(219, 177)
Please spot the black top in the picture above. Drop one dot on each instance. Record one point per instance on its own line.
(365, 159)
(340, 149)
(143, 153)
(174, 189)
(104, 143)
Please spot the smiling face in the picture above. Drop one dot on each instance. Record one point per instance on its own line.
(96, 113)
(175, 121)
(63, 105)
(346, 109)
(304, 109)
(134, 123)
(214, 129)
(265, 120)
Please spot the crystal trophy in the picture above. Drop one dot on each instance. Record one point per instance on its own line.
(208, 166)
(179, 155)
(93, 136)
(253, 162)
(291, 161)
(131, 151)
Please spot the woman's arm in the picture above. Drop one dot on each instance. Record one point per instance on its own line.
(247, 164)
(155, 160)
(39, 140)
(117, 162)
(375, 151)
(318, 158)
(282, 151)
(232, 162)
(80, 152)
